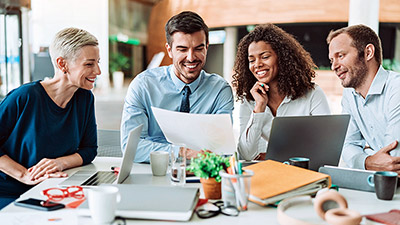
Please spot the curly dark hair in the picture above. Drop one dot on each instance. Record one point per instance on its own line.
(295, 65)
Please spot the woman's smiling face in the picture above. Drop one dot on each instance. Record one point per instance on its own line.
(84, 69)
(263, 62)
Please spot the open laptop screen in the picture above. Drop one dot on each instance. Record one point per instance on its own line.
(319, 138)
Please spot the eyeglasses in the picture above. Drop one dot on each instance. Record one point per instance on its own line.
(58, 194)
(209, 210)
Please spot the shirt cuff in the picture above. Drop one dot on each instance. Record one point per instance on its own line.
(359, 163)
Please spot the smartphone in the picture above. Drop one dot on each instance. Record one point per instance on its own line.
(39, 204)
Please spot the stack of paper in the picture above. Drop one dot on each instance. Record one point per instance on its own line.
(197, 131)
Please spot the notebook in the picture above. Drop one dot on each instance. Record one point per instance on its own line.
(94, 178)
(391, 217)
(153, 202)
(274, 181)
(319, 138)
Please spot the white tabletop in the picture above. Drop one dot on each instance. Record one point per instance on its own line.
(363, 202)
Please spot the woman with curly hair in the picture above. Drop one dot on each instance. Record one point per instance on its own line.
(273, 77)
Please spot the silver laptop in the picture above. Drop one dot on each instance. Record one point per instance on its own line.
(319, 138)
(153, 202)
(94, 178)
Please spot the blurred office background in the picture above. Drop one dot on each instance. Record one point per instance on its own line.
(131, 36)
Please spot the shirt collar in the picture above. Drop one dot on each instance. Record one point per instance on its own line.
(379, 82)
(180, 84)
(286, 100)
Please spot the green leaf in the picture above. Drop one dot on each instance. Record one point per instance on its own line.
(207, 165)
(391, 64)
(118, 62)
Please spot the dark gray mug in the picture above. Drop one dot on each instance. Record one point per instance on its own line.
(385, 183)
(299, 162)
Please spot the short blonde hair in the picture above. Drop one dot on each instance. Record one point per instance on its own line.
(68, 42)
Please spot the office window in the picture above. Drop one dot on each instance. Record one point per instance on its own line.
(10, 50)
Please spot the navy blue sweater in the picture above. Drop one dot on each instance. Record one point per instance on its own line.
(33, 127)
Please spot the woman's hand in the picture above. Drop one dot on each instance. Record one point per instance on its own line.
(26, 178)
(23, 175)
(260, 94)
(45, 167)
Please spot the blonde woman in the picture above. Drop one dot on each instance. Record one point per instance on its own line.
(49, 126)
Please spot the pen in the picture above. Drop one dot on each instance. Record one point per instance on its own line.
(231, 168)
(237, 163)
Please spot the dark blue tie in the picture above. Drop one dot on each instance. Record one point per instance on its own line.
(185, 105)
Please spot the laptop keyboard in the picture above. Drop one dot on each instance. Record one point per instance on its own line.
(101, 177)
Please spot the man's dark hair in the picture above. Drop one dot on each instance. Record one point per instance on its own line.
(362, 36)
(187, 22)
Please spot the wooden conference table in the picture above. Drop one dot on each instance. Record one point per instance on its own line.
(363, 202)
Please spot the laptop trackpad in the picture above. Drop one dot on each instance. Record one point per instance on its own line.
(77, 178)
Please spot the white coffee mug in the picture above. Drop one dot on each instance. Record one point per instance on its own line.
(102, 203)
(159, 161)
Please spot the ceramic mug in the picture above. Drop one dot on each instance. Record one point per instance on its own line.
(159, 161)
(299, 162)
(103, 203)
(385, 183)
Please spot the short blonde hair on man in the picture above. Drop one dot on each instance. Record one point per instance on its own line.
(68, 42)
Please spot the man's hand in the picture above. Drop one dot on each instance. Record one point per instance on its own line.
(190, 153)
(45, 167)
(260, 156)
(383, 161)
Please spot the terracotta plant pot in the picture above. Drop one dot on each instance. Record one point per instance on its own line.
(211, 188)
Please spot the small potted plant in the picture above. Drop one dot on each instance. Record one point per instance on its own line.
(207, 166)
(118, 63)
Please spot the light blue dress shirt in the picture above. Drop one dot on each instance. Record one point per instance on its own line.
(375, 120)
(160, 87)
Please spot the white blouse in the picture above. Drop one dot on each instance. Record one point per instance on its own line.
(255, 127)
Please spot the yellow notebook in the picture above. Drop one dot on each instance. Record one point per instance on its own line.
(274, 181)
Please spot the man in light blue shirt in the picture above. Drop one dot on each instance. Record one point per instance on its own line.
(371, 96)
(163, 87)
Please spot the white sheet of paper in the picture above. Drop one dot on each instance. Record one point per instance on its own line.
(197, 131)
(61, 217)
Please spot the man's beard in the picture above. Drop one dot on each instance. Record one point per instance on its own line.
(359, 74)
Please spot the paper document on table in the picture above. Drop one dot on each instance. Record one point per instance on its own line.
(197, 131)
(63, 217)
